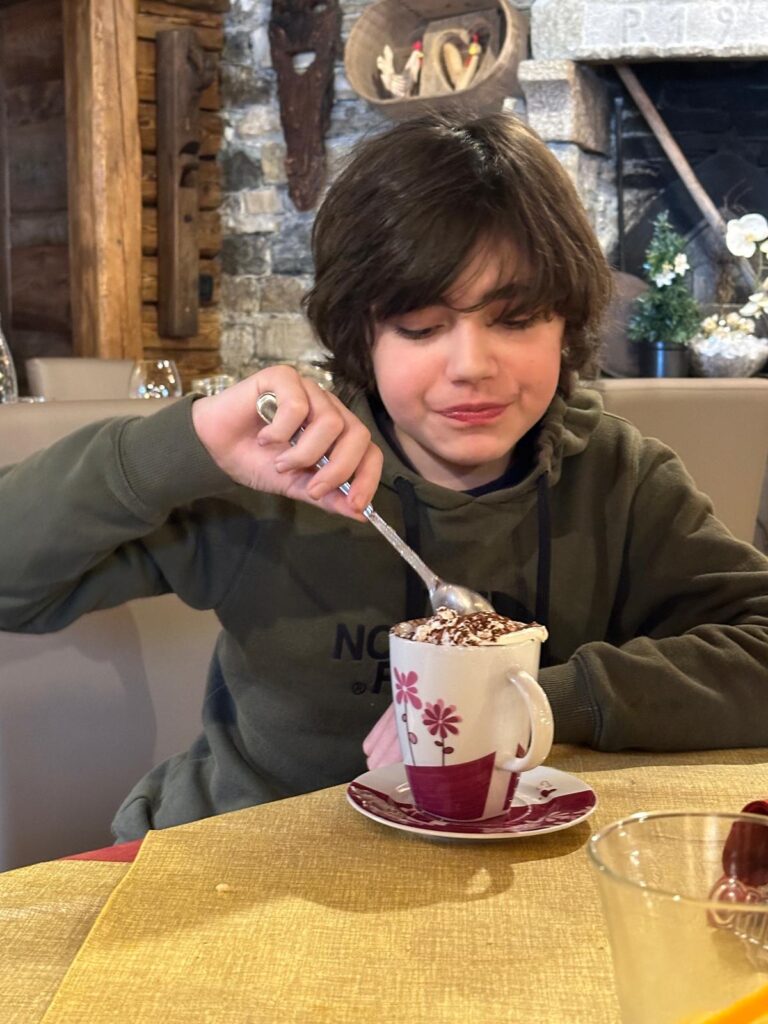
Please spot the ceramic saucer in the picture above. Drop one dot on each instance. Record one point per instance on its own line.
(547, 800)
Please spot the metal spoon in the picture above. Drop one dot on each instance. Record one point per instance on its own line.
(441, 594)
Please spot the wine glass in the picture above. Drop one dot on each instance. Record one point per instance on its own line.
(155, 378)
(214, 384)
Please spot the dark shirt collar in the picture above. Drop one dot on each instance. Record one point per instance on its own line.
(519, 465)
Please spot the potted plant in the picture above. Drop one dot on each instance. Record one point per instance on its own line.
(667, 316)
(731, 340)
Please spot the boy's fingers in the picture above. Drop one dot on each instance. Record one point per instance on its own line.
(293, 403)
(318, 427)
(366, 479)
(345, 456)
(385, 753)
(384, 726)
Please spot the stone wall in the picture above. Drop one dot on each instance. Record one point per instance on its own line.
(266, 259)
(267, 265)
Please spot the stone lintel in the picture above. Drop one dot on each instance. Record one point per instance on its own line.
(566, 102)
(610, 30)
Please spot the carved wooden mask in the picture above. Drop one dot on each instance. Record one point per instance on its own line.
(299, 29)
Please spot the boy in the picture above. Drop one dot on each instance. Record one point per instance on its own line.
(458, 287)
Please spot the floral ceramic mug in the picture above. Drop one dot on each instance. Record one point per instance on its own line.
(469, 720)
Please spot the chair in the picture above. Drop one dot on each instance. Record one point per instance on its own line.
(74, 378)
(717, 425)
(85, 712)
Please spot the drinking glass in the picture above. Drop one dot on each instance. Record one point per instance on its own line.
(214, 384)
(9, 389)
(155, 378)
(685, 897)
(314, 369)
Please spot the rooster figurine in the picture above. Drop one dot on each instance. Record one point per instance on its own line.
(406, 82)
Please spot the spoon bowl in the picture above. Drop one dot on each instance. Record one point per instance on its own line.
(460, 599)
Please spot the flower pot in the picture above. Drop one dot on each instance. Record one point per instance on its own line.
(661, 359)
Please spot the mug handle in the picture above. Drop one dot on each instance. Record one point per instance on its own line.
(542, 724)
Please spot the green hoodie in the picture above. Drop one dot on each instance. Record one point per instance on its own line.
(658, 618)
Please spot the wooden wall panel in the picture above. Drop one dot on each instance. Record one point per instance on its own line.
(44, 228)
(211, 128)
(209, 233)
(77, 107)
(5, 210)
(155, 16)
(209, 182)
(31, 48)
(211, 268)
(40, 287)
(37, 168)
(146, 57)
(34, 231)
(104, 160)
(200, 354)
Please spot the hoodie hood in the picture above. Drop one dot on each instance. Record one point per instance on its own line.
(565, 430)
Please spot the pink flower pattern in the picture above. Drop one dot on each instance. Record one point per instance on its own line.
(405, 688)
(440, 719)
(405, 694)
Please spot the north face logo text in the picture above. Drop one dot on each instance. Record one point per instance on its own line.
(359, 644)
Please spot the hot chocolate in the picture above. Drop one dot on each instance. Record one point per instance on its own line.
(478, 629)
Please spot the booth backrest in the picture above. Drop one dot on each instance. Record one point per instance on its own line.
(85, 712)
(75, 377)
(719, 428)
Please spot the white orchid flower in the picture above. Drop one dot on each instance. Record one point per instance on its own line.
(742, 235)
(665, 276)
(756, 306)
(681, 264)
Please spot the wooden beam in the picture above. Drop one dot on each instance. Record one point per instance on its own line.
(104, 171)
(207, 338)
(678, 160)
(157, 16)
(221, 6)
(208, 232)
(5, 227)
(209, 182)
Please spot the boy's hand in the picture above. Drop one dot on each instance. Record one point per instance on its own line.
(259, 455)
(381, 745)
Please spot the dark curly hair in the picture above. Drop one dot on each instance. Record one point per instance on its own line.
(402, 220)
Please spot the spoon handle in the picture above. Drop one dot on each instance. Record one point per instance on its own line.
(266, 406)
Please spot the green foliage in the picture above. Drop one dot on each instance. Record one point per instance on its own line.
(667, 311)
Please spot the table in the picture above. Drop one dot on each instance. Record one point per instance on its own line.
(305, 911)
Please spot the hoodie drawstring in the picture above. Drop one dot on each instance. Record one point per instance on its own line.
(414, 589)
(544, 566)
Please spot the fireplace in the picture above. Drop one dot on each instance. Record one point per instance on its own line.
(699, 61)
(716, 111)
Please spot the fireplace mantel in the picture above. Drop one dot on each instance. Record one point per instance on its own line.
(596, 31)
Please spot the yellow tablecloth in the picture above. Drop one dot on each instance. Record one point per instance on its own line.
(305, 911)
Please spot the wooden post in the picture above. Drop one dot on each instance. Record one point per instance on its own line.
(104, 176)
(5, 232)
(184, 71)
(677, 158)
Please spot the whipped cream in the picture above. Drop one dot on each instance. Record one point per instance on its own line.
(478, 629)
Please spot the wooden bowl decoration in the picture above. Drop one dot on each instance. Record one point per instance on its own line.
(436, 55)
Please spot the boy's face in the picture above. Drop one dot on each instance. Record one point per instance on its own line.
(463, 388)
